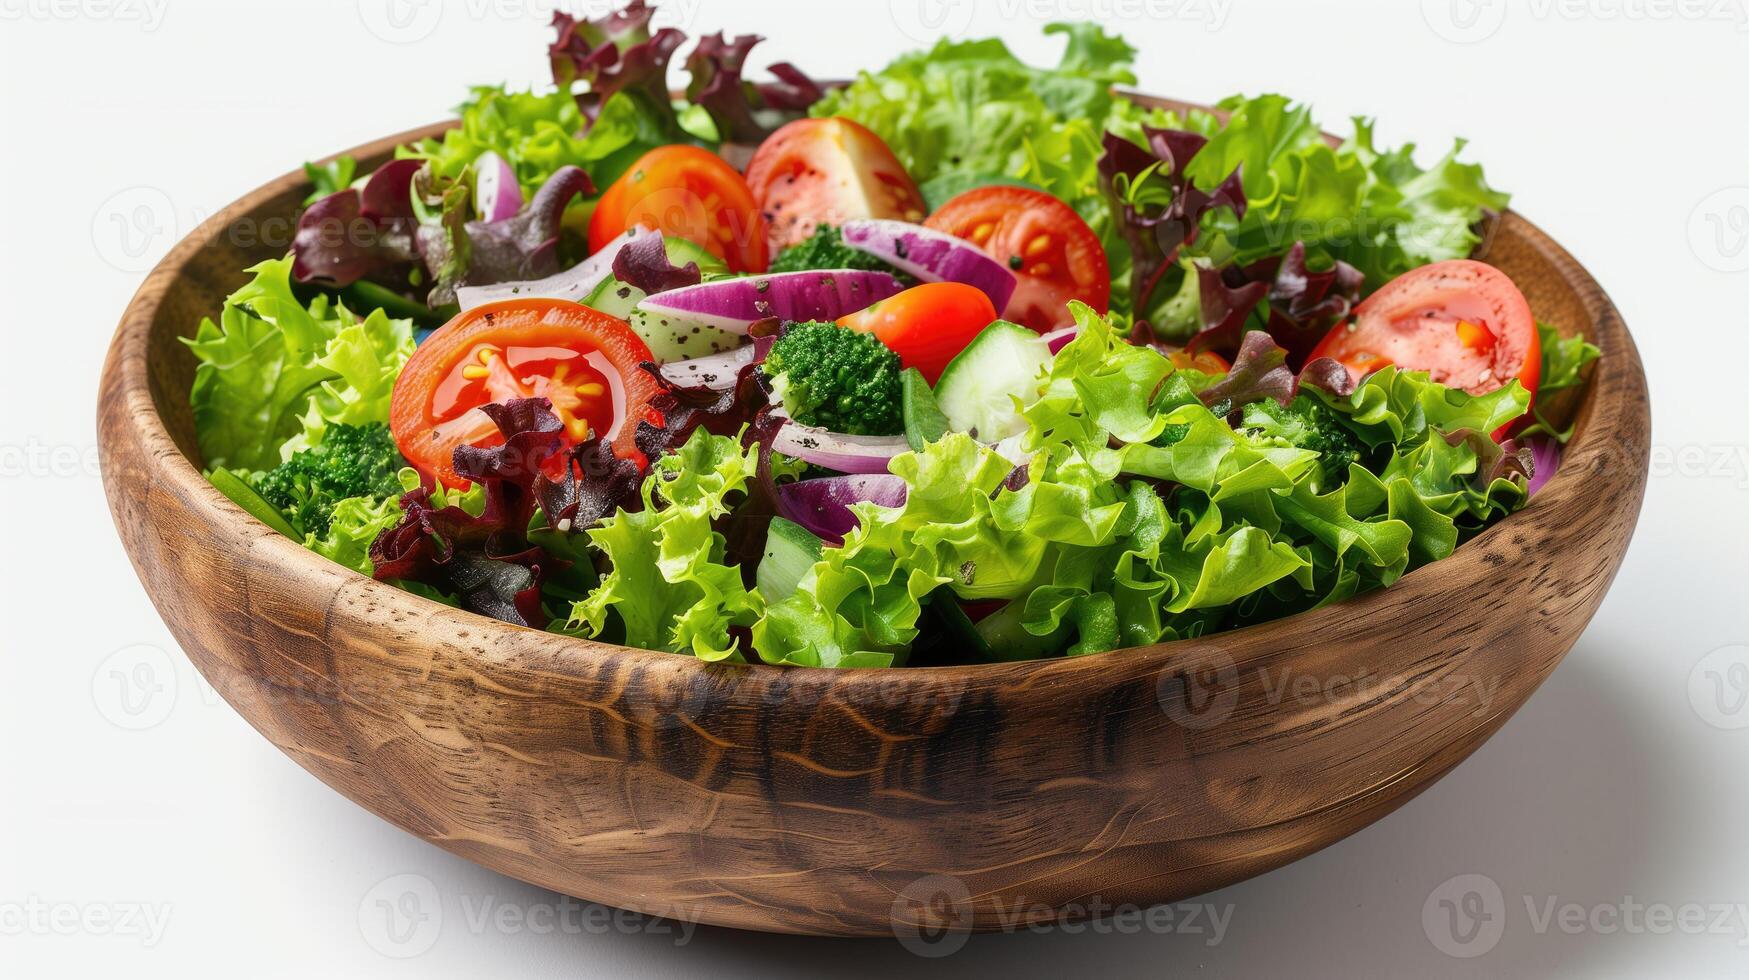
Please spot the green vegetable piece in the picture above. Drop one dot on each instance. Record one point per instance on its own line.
(351, 461)
(232, 486)
(924, 422)
(837, 379)
(825, 249)
(1007, 640)
(791, 551)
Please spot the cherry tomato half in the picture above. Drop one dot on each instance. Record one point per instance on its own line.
(1052, 252)
(1207, 362)
(828, 171)
(927, 325)
(689, 193)
(1462, 322)
(583, 361)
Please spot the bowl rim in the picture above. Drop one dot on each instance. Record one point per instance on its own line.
(1612, 422)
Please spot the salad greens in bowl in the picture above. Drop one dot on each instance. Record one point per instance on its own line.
(579, 434)
(964, 361)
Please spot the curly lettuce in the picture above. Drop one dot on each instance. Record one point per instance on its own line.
(274, 373)
(670, 588)
(968, 113)
(1145, 515)
(539, 134)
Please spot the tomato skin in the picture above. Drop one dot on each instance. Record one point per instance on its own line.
(1208, 362)
(686, 192)
(1055, 257)
(927, 325)
(429, 413)
(1463, 322)
(828, 171)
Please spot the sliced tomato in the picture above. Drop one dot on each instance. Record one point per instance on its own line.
(1465, 323)
(689, 193)
(1208, 362)
(927, 325)
(828, 171)
(1052, 252)
(583, 361)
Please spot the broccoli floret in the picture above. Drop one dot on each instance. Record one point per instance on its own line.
(825, 249)
(836, 379)
(1308, 423)
(350, 461)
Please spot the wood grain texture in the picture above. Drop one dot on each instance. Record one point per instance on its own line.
(814, 801)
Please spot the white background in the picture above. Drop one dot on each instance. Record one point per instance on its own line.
(1618, 124)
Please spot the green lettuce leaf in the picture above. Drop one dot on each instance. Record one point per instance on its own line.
(274, 373)
(1146, 516)
(1378, 211)
(972, 111)
(669, 587)
(357, 522)
(537, 134)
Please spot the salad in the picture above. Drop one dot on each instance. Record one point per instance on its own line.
(963, 361)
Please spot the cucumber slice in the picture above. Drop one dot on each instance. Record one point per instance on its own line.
(668, 341)
(977, 392)
(614, 298)
(791, 551)
(924, 422)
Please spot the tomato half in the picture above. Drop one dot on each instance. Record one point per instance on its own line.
(927, 325)
(1462, 322)
(1052, 252)
(689, 193)
(828, 171)
(583, 361)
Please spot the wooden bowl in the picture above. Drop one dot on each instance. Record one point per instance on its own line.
(858, 802)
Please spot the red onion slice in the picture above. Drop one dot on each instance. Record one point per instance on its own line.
(497, 193)
(931, 256)
(837, 451)
(734, 305)
(1059, 339)
(823, 506)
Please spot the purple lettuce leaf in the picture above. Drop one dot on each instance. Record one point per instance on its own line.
(616, 54)
(515, 249)
(1259, 371)
(1157, 232)
(487, 561)
(644, 264)
(1298, 306)
(716, 66)
(357, 233)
